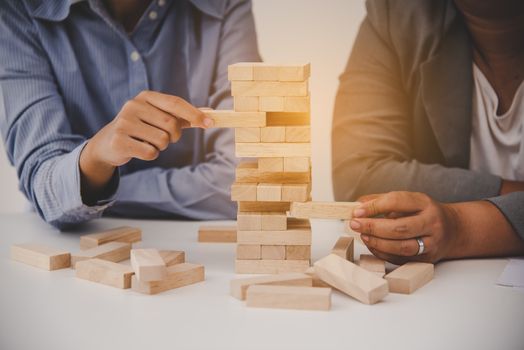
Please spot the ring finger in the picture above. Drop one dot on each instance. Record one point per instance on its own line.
(400, 247)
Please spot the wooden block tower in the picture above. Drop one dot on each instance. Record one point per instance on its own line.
(272, 121)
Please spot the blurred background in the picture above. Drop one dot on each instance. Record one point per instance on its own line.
(320, 32)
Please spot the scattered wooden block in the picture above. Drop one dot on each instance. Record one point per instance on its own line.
(344, 247)
(273, 221)
(317, 282)
(297, 134)
(291, 236)
(409, 277)
(296, 104)
(177, 276)
(41, 256)
(148, 265)
(323, 210)
(105, 272)
(232, 119)
(263, 207)
(351, 279)
(271, 104)
(373, 264)
(173, 257)
(273, 134)
(271, 266)
(246, 104)
(287, 119)
(297, 164)
(274, 149)
(298, 252)
(295, 192)
(275, 164)
(119, 234)
(273, 252)
(249, 172)
(239, 286)
(240, 71)
(244, 192)
(268, 192)
(248, 252)
(217, 234)
(247, 135)
(269, 88)
(112, 251)
(288, 297)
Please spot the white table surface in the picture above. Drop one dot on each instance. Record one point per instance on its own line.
(462, 308)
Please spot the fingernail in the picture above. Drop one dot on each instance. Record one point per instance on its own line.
(208, 122)
(364, 238)
(359, 212)
(355, 225)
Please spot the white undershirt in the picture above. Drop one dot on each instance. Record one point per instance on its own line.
(497, 142)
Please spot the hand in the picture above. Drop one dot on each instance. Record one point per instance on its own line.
(406, 217)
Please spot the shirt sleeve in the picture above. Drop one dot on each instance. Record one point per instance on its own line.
(38, 136)
(202, 191)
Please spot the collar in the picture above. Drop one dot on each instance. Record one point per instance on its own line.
(58, 10)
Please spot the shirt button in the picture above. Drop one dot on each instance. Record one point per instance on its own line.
(153, 15)
(161, 2)
(135, 56)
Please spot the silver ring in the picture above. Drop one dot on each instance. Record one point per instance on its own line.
(420, 246)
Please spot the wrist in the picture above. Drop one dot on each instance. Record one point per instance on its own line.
(455, 224)
(94, 171)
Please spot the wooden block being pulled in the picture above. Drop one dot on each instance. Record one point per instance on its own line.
(177, 276)
(268, 192)
(148, 265)
(247, 135)
(240, 71)
(173, 257)
(291, 236)
(120, 234)
(298, 252)
(295, 192)
(249, 172)
(232, 119)
(373, 264)
(269, 88)
(298, 134)
(344, 247)
(274, 164)
(273, 149)
(105, 272)
(246, 104)
(273, 252)
(248, 252)
(273, 134)
(41, 256)
(239, 286)
(217, 234)
(351, 279)
(409, 277)
(263, 207)
(244, 192)
(288, 297)
(323, 210)
(271, 266)
(287, 119)
(112, 251)
(297, 164)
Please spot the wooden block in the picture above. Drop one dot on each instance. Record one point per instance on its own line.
(105, 272)
(273, 252)
(287, 119)
(217, 234)
(373, 264)
(247, 135)
(232, 119)
(323, 210)
(246, 104)
(297, 133)
(296, 104)
(273, 134)
(41, 256)
(271, 149)
(295, 192)
(265, 72)
(298, 223)
(268, 192)
(298, 252)
(271, 164)
(273, 221)
(148, 265)
(291, 236)
(119, 234)
(270, 266)
(173, 257)
(294, 72)
(177, 276)
(297, 164)
(244, 192)
(112, 251)
(239, 286)
(269, 88)
(317, 282)
(344, 247)
(409, 277)
(263, 207)
(271, 103)
(351, 279)
(248, 252)
(249, 222)
(240, 71)
(249, 172)
(288, 297)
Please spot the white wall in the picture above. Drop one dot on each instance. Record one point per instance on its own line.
(320, 32)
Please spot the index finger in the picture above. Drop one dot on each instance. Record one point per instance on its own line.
(177, 107)
(399, 202)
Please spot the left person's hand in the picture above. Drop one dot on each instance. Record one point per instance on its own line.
(404, 218)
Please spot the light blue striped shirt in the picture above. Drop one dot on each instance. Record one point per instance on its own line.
(66, 69)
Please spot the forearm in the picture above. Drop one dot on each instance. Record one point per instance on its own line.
(482, 230)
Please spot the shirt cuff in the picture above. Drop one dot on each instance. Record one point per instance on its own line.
(512, 206)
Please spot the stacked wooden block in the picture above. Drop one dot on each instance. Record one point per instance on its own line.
(272, 121)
